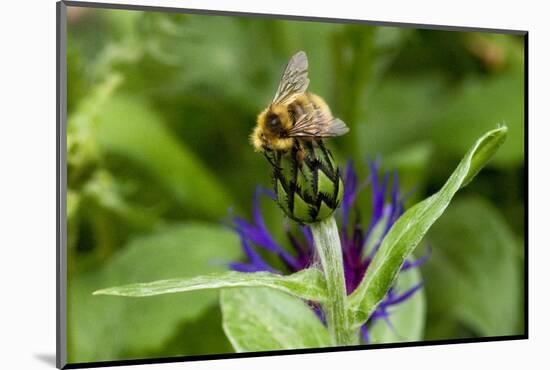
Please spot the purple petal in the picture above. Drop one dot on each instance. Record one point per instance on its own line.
(350, 192)
(299, 247)
(365, 333)
(378, 197)
(309, 236)
(304, 252)
(404, 296)
(255, 259)
(384, 314)
(379, 313)
(254, 234)
(244, 267)
(257, 213)
(390, 325)
(418, 262)
(392, 211)
(258, 233)
(318, 311)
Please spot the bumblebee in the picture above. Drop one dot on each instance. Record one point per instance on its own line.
(294, 115)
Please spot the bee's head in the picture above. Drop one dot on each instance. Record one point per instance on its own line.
(276, 119)
(270, 131)
(273, 123)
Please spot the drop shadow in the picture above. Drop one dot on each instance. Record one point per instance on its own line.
(47, 358)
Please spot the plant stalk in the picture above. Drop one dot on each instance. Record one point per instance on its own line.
(327, 244)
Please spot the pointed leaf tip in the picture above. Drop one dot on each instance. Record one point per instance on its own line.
(484, 150)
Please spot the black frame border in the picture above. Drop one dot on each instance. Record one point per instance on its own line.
(61, 186)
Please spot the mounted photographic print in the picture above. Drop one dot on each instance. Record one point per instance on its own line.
(235, 184)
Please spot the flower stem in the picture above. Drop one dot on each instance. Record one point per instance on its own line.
(327, 244)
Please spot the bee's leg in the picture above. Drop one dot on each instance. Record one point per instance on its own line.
(300, 154)
(271, 156)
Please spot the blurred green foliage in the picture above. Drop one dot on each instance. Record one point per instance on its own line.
(160, 107)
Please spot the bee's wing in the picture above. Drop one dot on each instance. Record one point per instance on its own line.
(294, 80)
(318, 124)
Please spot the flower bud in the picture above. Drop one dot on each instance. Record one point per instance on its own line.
(306, 181)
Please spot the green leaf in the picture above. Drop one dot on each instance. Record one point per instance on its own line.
(128, 127)
(408, 318)
(262, 319)
(411, 227)
(474, 272)
(201, 336)
(307, 284)
(112, 328)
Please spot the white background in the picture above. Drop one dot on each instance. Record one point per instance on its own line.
(27, 183)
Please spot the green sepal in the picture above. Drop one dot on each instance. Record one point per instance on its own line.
(340, 194)
(282, 197)
(324, 184)
(324, 211)
(302, 211)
